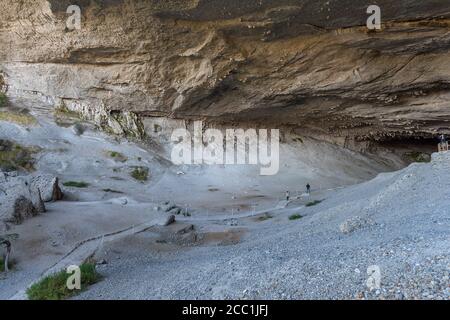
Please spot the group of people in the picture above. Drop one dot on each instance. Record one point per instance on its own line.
(308, 191)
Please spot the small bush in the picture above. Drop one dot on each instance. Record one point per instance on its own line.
(140, 173)
(14, 157)
(313, 203)
(117, 156)
(76, 184)
(54, 287)
(418, 156)
(295, 217)
(3, 99)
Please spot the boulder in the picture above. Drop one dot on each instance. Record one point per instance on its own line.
(165, 220)
(168, 206)
(18, 210)
(170, 220)
(48, 185)
(175, 211)
(22, 197)
(78, 129)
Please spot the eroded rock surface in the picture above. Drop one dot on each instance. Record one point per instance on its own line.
(311, 65)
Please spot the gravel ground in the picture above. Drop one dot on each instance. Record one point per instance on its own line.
(408, 239)
(398, 222)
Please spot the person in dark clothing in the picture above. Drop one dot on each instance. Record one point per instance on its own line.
(288, 195)
(443, 139)
(308, 188)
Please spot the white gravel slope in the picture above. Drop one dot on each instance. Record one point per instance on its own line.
(409, 239)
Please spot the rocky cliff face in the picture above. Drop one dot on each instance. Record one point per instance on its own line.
(309, 65)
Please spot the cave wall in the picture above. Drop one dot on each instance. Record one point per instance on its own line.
(308, 65)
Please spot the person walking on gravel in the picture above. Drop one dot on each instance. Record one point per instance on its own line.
(308, 189)
(288, 195)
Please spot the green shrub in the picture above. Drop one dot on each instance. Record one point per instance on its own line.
(295, 217)
(416, 156)
(14, 157)
(76, 184)
(117, 156)
(54, 287)
(313, 203)
(140, 173)
(3, 99)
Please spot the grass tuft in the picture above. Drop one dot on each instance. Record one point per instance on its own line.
(76, 184)
(295, 217)
(264, 217)
(313, 203)
(3, 99)
(63, 112)
(54, 287)
(14, 157)
(117, 156)
(140, 173)
(418, 157)
(20, 118)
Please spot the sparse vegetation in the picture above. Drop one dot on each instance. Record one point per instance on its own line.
(3, 99)
(416, 156)
(295, 217)
(54, 287)
(64, 117)
(117, 156)
(112, 191)
(2, 265)
(63, 112)
(20, 118)
(264, 217)
(313, 203)
(14, 157)
(140, 173)
(76, 184)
